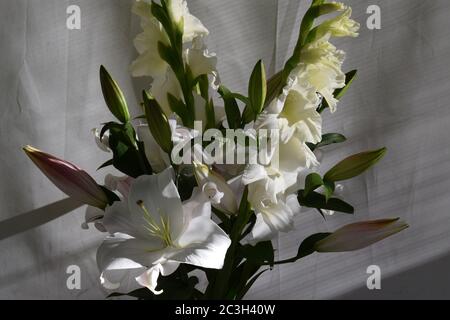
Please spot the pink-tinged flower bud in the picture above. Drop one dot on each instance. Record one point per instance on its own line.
(360, 235)
(70, 179)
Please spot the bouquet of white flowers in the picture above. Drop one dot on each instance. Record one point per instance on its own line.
(210, 175)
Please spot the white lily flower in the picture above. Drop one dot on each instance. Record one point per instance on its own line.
(153, 232)
(95, 215)
(120, 184)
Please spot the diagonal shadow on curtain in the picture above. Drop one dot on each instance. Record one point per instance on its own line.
(37, 217)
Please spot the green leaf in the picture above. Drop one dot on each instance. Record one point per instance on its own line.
(240, 97)
(158, 123)
(331, 138)
(319, 201)
(257, 90)
(112, 197)
(349, 78)
(248, 115)
(114, 98)
(239, 278)
(126, 156)
(308, 245)
(249, 227)
(177, 106)
(354, 165)
(317, 2)
(261, 253)
(339, 93)
(177, 286)
(231, 108)
(106, 164)
(186, 182)
(210, 114)
(312, 182)
(171, 57)
(329, 188)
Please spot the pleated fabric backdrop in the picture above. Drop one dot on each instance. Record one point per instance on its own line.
(50, 97)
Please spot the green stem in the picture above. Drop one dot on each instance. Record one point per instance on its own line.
(223, 276)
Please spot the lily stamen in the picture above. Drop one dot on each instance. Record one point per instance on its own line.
(161, 230)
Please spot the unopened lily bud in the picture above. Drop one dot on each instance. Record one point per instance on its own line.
(360, 235)
(70, 179)
(114, 98)
(158, 123)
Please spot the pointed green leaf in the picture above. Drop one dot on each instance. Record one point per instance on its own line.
(319, 201)
(260, 253)
(312, 182)
(257, 90)
(328, 188)
(231, 108)
(339, 93)
(308, 245)
(248, 115)
(331, 138)
(349, 78)
(355, 165)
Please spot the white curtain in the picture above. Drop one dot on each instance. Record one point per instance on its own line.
(51, 98)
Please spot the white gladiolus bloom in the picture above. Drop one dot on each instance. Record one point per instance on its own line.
(321, 67)
(216, 189)
(153, 232)
(294, 114)
(201, 61)
(149, 63)
(340, 26)
(297, 111)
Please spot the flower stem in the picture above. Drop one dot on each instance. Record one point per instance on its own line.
(221, 284)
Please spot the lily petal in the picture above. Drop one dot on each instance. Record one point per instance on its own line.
(159, 195)
(204, 244)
